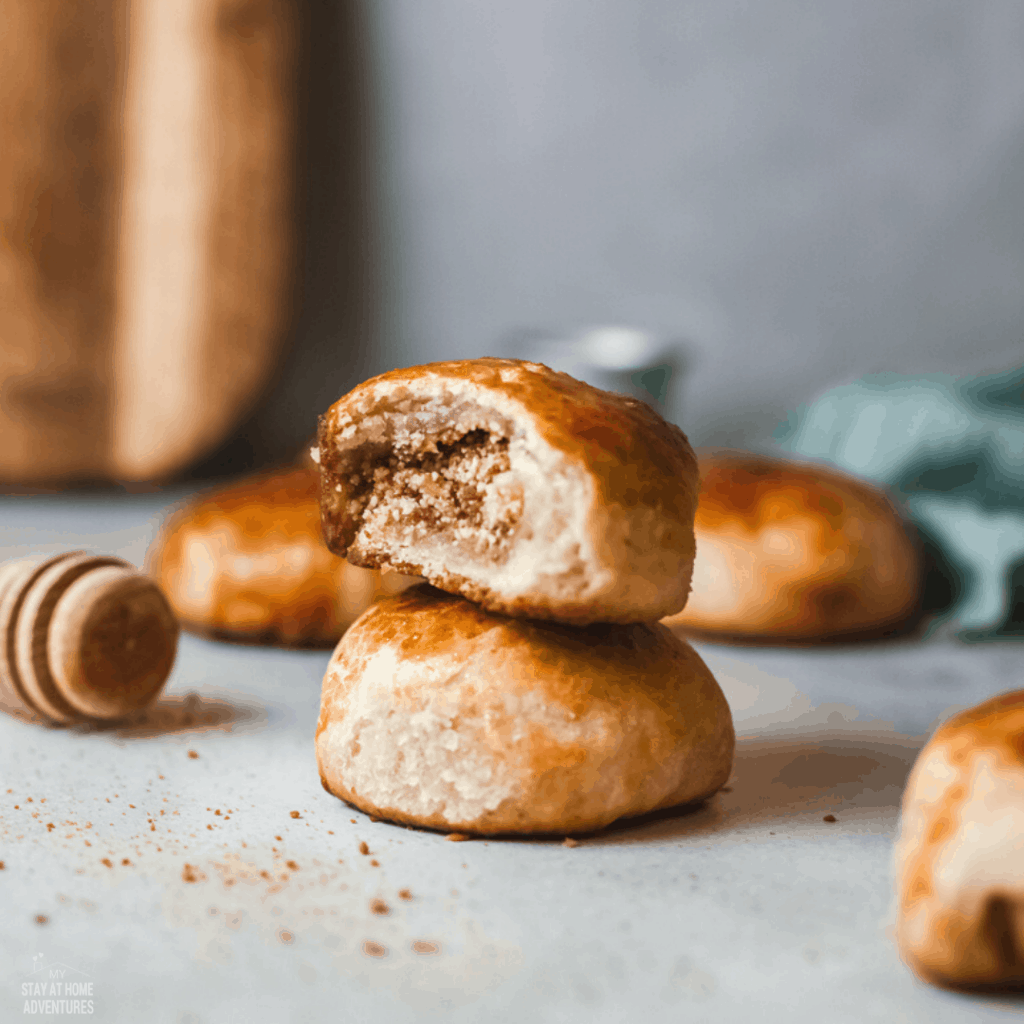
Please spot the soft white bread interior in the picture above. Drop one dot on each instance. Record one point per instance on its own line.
(440, 714)
(520, 488)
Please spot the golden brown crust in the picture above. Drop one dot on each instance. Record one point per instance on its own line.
(960, 885)
(437, 713)
(247, 561)
(792, 552)
(640, 470)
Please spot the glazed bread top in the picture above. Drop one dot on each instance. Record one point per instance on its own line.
(518, 487)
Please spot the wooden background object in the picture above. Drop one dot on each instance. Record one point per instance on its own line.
(82, 637)
(146, 228)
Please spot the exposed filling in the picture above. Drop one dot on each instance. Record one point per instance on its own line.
(461, 492)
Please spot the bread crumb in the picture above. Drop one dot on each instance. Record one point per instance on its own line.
(829, 818)
(374, 863)
(294, 814)
(41, 919)
(425, 948)
(570, 842)
(457, 837)
(374, 949)
(404, 894)
(193, 754)
(106, 860)
(378, 906)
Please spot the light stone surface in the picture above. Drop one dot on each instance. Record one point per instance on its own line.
(751, 908)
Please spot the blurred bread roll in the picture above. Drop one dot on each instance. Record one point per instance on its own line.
(248, 562)
(793, 552)
(519, 488)
(960, 856)
(438, 713)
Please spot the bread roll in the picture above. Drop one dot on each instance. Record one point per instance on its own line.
(438, 713)
(960, 856)
(520, 488)
(793, 552)
(248, 562)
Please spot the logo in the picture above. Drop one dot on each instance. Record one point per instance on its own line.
(55, 988)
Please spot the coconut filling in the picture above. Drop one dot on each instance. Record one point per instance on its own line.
(455, 497)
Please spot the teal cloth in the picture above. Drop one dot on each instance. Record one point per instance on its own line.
(951, 451)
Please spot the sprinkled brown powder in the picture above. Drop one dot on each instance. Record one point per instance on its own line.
(286, 936)
(374, 863)
(364, 849)
(425, 948)
(193, 754)
(106, 860)
(291, 864)
(404, 894)
(378, 906)
(374, 949)
(457, 837)
(41, 919)
(829, 818)
(294, 814)
(125, 862)
(190, 873)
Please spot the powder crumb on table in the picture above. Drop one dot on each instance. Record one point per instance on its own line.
(364, 849)
(570, 842)
(829, 818)
(378, 906)
(404, 894)
(193, 754)
(294, 814)
(41, 919)
(457, 837)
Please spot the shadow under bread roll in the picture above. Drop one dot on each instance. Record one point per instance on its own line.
(438, 713)
(792, 552)
(247, 562)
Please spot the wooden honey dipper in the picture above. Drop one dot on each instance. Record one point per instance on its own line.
(82, 637)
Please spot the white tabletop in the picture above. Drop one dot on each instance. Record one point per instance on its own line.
(752, 908)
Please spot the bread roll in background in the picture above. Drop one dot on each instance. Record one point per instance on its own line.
(796, 553)
(519, 488)
(247, 562)
(960, 856)
(438, 713)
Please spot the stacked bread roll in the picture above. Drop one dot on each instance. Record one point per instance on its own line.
(528, 687)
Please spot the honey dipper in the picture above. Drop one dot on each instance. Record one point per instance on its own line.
(82, 636)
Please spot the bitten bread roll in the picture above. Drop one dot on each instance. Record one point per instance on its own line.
(793, 552)
(248, 562)
(960, 856)
(520, 488)
(438, 713)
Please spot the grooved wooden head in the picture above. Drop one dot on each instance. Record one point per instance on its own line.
(82, 636)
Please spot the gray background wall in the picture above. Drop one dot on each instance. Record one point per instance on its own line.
(806, 190)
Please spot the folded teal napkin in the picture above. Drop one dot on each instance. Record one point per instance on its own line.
(951, 451)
